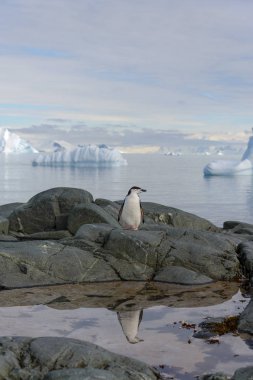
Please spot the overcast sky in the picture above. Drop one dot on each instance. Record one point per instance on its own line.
(176, 67)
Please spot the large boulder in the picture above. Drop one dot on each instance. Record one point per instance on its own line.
(146, 254)
(4, 225)
(47, 209)
(33, 263)
(6, 210)
(246, 319)
(177, 218)
(245, 255)
(238, 227)
(245, 373)
(52, 358)
(88, 213)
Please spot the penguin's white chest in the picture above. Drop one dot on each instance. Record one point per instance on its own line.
(131, 213)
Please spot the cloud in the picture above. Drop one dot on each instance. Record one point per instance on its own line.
(163, 64)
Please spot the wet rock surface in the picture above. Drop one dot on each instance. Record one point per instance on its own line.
(120, 296)
(62, 358)
(244, 373)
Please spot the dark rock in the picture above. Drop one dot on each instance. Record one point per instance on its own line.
(175, 217)
(40, 212)
(7, 238)
(246, 319)
(245, 373)
(46, 358)
(61, 222)
(238, 227)
(33, 263)
(245, 255)
(97, 233)
(180, 275)
(46, 235)
(87, 214)
(110, 207)
(6, 210)
(203, 334)
(230, 224)
(214, 376)
(80, 374)
(4, 225)
(141, 254)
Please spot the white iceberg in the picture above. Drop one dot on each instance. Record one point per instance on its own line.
(87, 155)
(11, 143)
(229, 167)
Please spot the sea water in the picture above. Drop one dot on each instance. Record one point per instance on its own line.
(176, 181)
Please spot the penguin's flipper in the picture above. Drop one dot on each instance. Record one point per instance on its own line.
(120, 211)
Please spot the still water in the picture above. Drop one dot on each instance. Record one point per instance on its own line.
(169, 180)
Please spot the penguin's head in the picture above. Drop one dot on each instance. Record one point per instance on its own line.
(135, 189)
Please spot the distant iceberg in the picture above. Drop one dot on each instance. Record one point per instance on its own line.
(87, 155)
(11, 143)
(228, 168)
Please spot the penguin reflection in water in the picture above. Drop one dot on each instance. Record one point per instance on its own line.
(131, 212)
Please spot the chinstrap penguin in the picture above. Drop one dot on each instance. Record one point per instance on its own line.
(131, 212)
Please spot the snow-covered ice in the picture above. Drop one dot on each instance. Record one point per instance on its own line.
(229, 167)
(11, 143)
(88, 155)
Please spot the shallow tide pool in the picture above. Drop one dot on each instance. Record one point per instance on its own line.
(110, 315)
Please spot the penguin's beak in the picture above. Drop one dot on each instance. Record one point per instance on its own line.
(143, 190)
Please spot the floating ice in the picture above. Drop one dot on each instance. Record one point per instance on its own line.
(88, 155)
(227, 168)
(11, 143)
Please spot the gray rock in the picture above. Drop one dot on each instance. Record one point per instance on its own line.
(175, 217)
(238, 227)
(87, 214)
(4, 225)
(245, 373)
(45, 358)
(40, 212)
(46, 235)
(110, 207)
(214, 376)
(245, 255)
(246, 319)
(180, 275)
(141, 254)
(7, 238)
(33, 263)
(97, 233)
(6, 210)
(80, 374)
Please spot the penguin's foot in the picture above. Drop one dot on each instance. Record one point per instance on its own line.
(134, 340)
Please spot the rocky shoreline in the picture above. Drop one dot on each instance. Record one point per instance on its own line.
(64, 236)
